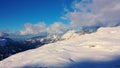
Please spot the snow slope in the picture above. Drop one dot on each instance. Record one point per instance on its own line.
(96, 50)
(70, 34)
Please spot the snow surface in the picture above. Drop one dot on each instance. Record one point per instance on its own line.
(96, 50)
(70, 34)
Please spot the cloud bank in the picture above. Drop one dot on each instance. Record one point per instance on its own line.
(33, 28)
(88, 13)
(41, 28)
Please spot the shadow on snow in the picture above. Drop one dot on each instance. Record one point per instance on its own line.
(115, 63)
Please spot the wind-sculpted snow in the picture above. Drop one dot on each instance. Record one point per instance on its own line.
(96, 50)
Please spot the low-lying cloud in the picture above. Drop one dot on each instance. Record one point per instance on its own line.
(57, 28)
(41, 28)
(33, 28)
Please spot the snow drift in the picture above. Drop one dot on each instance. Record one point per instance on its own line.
(101, 46)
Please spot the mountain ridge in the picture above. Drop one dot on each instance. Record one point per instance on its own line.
(101, 46)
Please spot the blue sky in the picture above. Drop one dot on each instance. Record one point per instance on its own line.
(15, 13)
(57, 16)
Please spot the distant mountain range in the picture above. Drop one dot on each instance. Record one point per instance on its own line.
(9, 47)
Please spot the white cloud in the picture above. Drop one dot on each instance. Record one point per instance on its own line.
(86, 13)
(81, 19)
(95, 13)
(57, 28)
(41, 28)
(33, 28)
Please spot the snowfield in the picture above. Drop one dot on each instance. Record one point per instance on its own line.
(96, 50)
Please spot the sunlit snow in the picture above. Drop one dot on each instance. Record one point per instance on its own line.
(95, 50)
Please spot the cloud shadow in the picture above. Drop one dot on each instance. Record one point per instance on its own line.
(115, 63)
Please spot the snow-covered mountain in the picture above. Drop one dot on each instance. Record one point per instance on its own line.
(71, 34)
(10, 47)
(37, 40)
(96, 50)
(3, 42)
